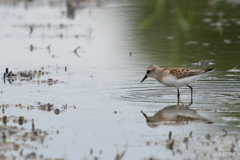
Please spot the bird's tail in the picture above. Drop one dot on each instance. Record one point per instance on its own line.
(207, 70)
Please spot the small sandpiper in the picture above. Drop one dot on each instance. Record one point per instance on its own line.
(175, 77)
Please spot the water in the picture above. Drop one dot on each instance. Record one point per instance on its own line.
(99, 98)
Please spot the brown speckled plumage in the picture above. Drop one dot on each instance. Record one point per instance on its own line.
(180, 73)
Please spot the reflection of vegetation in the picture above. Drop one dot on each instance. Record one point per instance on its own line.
(186, 31)
(161, 8)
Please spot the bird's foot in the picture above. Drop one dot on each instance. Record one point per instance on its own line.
(182, 104)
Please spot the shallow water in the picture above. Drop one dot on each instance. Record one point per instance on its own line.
(98, 98)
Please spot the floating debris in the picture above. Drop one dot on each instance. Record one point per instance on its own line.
(16, 138)
(29, 76)
(209, 148)
(170, 135)
(50, 81)
(4, 120)
(31, 47)
(6, 71)
(32, 155)
(226, 133)
(120, 156)
(4, 76)
(208, 136)
(49, 49)
(207, 20)
(217, 24)
(206, 44)
(203, 63)
(191, 42)
(170, 144)
(190, 135)
(234, 70)
(227, 41)
(185, 140)
(57, 111)
(75, 51)
(170, 38)
(212, 53)
(31, 30)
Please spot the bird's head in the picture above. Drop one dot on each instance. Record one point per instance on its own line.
(150, 72)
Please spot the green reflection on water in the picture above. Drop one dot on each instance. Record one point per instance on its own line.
(193, 31)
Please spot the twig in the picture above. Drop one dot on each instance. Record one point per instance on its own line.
(31, 47)
(31, 30)
(171, 145)
(225, 132)
(120, 156)
(9, 73)
(48, 47)
(186, 141)
(190, 135)
(33, 125)
(4, 77)
(75, 51)
(232, 148)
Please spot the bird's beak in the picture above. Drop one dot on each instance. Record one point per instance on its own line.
(145, 77)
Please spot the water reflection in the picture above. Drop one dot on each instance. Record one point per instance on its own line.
(50, 107)
(16, 138)
(70, 9)
(174, 115)
(29, 77)
(15, 119)
(24, 141)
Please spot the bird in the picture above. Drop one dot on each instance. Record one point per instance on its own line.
(175, 77)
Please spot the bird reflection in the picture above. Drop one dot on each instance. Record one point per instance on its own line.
(173, 115)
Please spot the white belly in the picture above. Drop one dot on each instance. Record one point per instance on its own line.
(172, 81)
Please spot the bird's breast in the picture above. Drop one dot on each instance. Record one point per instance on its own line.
(169, 81)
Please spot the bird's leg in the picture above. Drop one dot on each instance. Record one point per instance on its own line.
(191, 94)
(182, 105)
(178, 95)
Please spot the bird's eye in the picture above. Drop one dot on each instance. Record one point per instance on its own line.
(148, 71)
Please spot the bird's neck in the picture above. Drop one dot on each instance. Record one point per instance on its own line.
(158, 74)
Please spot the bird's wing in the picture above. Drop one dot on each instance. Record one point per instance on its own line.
(181, 73)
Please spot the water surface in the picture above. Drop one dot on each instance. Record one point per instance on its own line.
(98, 99)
